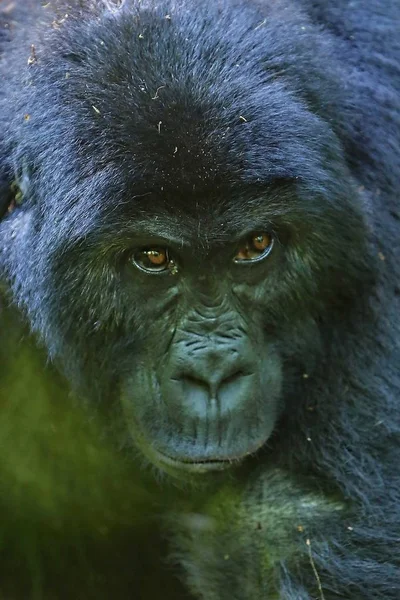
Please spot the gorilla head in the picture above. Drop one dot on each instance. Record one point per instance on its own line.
(189, 233)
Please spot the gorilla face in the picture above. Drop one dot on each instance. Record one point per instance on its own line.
(207, 369)
(188, 236)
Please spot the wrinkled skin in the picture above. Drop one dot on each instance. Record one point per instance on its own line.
(200, 228)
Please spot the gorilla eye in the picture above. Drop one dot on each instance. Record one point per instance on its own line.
(152, 260)
(256, 247)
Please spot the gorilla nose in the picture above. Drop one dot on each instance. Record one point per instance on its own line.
(213, 387)
(212, 383)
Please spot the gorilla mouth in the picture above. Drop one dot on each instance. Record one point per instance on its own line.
(204, 465)
(194, 466)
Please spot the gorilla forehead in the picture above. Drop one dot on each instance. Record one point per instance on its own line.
(170, 123)
(183, 140)
(182, 162)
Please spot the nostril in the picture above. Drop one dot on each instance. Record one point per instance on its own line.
(194, 380)
(190, 383)
(233, 378)
(193, 395)
(200, 396)
(235, 388)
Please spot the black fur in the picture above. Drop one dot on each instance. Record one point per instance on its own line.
(206, 113)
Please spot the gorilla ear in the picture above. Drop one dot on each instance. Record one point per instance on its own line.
(12, 190)
(6, 193)
(5, 181)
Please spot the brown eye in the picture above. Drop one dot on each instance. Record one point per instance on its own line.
(152, 260)
(255, 248)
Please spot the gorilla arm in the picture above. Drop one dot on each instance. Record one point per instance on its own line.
(238, 544)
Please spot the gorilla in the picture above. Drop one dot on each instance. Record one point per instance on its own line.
(200, 299)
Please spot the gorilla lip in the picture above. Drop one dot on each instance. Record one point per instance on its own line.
(194, 466)
(205, 465)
